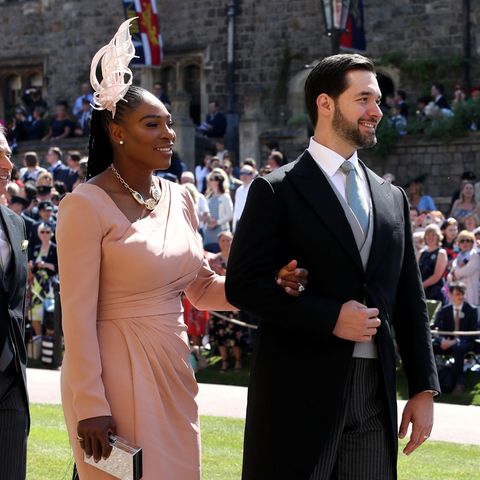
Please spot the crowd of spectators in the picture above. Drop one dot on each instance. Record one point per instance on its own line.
(429, 109)
(33, 120)
(34, 193)
(447, 243)
(447, 246)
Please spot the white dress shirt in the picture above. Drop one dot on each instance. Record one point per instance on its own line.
(240, 200)
(330, 163)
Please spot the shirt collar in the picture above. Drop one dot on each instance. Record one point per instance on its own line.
(328, 160)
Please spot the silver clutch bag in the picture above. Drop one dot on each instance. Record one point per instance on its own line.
(125, 461)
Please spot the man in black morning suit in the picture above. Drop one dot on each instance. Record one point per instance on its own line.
(14, 416)
(322, 394)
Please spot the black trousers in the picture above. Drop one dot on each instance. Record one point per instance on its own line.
(13, 432)
(361, 448)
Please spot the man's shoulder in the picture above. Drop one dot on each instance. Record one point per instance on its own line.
(468, 307)
(278, 175)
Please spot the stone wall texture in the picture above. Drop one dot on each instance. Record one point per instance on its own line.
(274, 41)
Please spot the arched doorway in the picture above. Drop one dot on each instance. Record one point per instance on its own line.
(387, 88)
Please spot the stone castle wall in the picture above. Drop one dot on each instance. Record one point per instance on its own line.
(274, 41)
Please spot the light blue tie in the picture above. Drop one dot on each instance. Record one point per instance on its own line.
(356, 201)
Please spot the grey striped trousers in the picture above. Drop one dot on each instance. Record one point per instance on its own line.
(361, 446)
(13, 433)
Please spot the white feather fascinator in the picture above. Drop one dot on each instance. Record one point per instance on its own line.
(116, 76)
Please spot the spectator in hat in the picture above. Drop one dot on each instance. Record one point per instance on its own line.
(18, 204)
(45, 215)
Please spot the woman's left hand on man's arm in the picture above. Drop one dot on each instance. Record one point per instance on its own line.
(292, 279)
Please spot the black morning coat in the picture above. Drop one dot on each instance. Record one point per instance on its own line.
(299, 367)
(12, 293)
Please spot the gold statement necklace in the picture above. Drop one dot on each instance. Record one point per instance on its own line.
(149, 203)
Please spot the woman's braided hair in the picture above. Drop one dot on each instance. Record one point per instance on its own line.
(100, 152)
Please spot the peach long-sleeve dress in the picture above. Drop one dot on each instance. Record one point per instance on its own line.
(126, 345)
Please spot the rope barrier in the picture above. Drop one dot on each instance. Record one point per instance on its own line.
(234, 320)
(456, 333)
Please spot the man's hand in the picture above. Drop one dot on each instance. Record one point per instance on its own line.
(292, 279)
(419, 412)
(356, 322)
(92, 433)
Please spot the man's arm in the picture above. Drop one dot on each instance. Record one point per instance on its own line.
(413, 338)
(254, 258)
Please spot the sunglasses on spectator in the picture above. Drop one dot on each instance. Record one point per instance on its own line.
(246, 173)
(46, 231)
(465, 240)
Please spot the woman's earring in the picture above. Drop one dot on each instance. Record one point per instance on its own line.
(121, 142)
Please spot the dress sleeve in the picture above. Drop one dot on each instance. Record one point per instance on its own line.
(79, 238)
(207, 291)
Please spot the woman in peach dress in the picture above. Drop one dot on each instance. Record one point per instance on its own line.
(128, 247)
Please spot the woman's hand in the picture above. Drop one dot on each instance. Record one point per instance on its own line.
(292, 279)
(92, 433)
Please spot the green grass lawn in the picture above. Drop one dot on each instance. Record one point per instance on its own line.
(49, 455)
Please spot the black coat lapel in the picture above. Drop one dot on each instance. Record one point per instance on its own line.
(15, 236)
(311, 183)
(383, 209)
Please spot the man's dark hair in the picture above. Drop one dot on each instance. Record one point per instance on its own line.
(60, 187)
(402, 94)
(75, 155)
(330, 77)
(278, 157)
(31, 159)
(460, 286)
(439, 87)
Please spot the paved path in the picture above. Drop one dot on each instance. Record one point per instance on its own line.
(453, 423)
